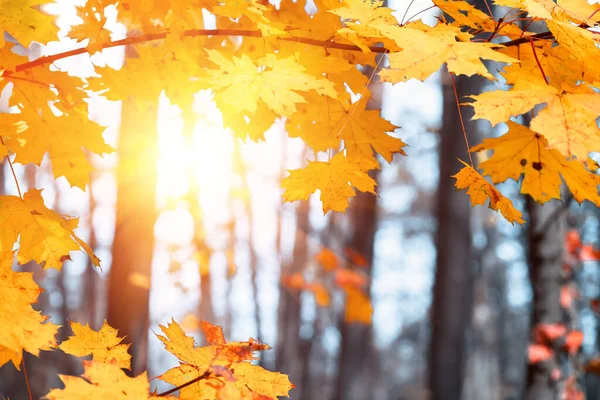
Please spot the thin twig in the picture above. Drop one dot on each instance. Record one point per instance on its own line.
(462, 124)
(26, 379)
(10, 164)
(420, 12)
(406, 11)
(489, 9)
(537, 60)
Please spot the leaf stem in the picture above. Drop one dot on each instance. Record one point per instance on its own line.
(462, 123)
(12, 169)
(26, 378)
(537, 60)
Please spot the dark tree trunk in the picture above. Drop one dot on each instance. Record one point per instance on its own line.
(546, 228)
(288, 337)
(134, 232)
(356, 348)
(453, 288)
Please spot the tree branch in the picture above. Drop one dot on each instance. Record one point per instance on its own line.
(233, 32)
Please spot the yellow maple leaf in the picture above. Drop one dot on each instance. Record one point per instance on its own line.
(323, 122)
(467, 15)
(24, 21)
(63, 138)
(92, 26)
(522, 151)
(561, 69)
(23, 328)
(481, 190)
(425, 49)
(562, 10)
(568, 121)
(45, 237)
(240, 83)
(103, 381)
(221, 361)
(104, 346)
(266, 383)
(335, 179)
(321, 25)
(579, 42)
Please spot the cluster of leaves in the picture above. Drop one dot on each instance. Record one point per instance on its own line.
(302, 62)
(304, 66)
(554, 345)
(221, 370)
(336, 272)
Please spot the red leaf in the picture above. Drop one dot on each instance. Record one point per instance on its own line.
(572, 241)
(547, 333)
(573, 341)
(538, 353)
(588, 253)
(567, 294)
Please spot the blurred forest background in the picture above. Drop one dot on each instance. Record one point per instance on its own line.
(189, 223)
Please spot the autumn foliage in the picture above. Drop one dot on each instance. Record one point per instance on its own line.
(263, 63)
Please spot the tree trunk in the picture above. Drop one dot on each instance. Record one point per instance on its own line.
(356, 346)
(134, 232)
(452, 292)
(288, 336)
(545, 255)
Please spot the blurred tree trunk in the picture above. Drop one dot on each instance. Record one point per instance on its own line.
(454, 277)
(354, 365)
(134, 231)
(288, 337)
(483, 376)
(546, 229)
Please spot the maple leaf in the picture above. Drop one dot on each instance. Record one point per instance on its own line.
(24, 21)
(159, 70)
(481, 190)
(92, 26)
(222, 362)
(323, 122)
(36, 135)
(23, 328)
(240, 83)
(259, 380)
(45, 236)
(104, 346)
(466, 14)
(425, 49)
(103, 381)
(522, 151)
(568, 121)
(321, 25)
(335, 179)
